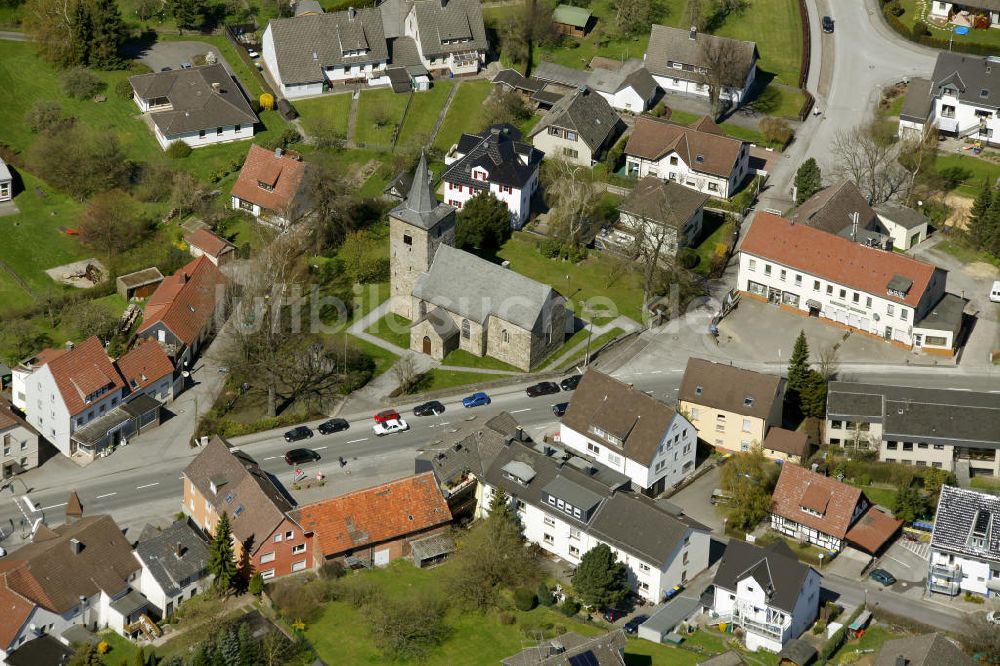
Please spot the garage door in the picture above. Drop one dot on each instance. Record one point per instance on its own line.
(381, 558)
(865, 325)
(854, 321)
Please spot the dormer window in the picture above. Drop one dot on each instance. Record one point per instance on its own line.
(265, 186)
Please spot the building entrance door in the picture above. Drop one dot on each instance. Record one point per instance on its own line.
(427, 345)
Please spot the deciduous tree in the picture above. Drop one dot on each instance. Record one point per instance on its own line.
(725, 69)
(407, 627)
(868, 156)
(633, 16)
(909, 505)
(600, 579)
(748, 482)
(87, 33)
(112, 223)
(80, 161)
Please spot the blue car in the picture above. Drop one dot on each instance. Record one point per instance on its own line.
(476, 400)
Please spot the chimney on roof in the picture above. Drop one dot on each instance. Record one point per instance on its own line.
(179, 550)
(351, 13)
(520, 434)
(74, 509)
(693, 32)
(315, 56)
(183, 278)
(216, 86)
(69, 345)
(75, 546)
(279, 151)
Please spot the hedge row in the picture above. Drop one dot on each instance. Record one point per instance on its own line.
(932, 41)
(806, 46)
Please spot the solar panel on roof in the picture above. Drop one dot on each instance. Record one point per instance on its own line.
(585, 659)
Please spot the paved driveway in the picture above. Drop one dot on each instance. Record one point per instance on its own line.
(694, 499)
(172, 54)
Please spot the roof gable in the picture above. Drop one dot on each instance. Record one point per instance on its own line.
(775, 569)
(449, 26)
(586, 113)
(832, 209)
(730, 388)
(144, 365)
(968, 522)
(707, 152)
(281, 173)
(816, 501)
(495, 151)
(84, 374)
(669, 45)
(185, 302)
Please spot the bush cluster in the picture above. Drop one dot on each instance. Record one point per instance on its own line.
(81, 84)
(178, 150)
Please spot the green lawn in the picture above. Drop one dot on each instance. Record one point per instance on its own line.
(871, 641)
(10, 17)
(731, 129)
(439, 379)
(383, 358)
(578, 53)
(393, 329)
(593, 280)
(464, 358)
(987, 483)
(974, 171)
(325, 113)
(571, 342)
(958, 249)
(466, 113)
(382, 105)
(912, 12)
(882, 496)
(713, 228)
(423, 114)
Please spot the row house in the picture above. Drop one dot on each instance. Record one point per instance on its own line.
(732, 408)
(965, 544)
(495, 162)
(924, 427)
(568, 505)
(620, 427)
(828, 513)
(700, 156)
(766, 592)
(881, 293)
(680, 62)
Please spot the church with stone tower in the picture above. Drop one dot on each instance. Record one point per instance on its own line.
(456, 300)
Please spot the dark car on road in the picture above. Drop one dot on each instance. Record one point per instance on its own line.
(332, 426)
(571, 382)
(542, 388)
(827, 24)
(559, 409)
(432, 408)
(297, 433)
(632, 626)
(882, 576)
(299, 456)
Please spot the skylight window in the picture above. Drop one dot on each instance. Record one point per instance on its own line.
(698, 390)
(748, 401)
(984, 93)
(699, 158)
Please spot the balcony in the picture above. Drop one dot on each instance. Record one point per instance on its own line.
(946, 124)
(773, 631)
(950, 588)
(947, 571)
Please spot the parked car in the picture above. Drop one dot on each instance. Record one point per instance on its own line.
(299, 456)
(632, 626)
(165, 69)
(995, 292)
(297, 433)
(477, 399)
(559, 409)
(614, 614)
(542, 388)
(332, 426)
(252, 53)
(389, 427)
(882, 576)
(387, 415)
(185, 65)
(993, 617)
(571, 382)
(432, 408)
(827, 24)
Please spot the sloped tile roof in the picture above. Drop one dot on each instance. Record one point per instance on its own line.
(197, 105)
(957, 513)
(374, 515)
(499, 154)
(421, 207)
(185, 301)
(873, 529)
(926, 650)
(727, 387)
(653, 138)
(144, 365)
(836, 259)
(442, 21)
(209, 243)
(799, 487)
(586, 113)
(81, 371)
(831, 209)
(159, 552)
(621, 410)
(775, 568)
(14, 612)
(49, 573)
(240, 480)
(663, 201)
(668, 45)
(787, 441)
(282, 173)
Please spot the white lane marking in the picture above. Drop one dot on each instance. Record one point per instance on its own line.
(518, 411)
(655, 372)
(148, 485)
(54, 506)
(271, 458)
(355, 441)
(103, 496)
(319, 448)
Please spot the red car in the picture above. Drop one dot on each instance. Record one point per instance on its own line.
(387, 415)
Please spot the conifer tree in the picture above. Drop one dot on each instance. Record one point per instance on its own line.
(221, 559)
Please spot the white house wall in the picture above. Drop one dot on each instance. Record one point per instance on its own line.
(683, 174)
(212, 136)
(48, 414)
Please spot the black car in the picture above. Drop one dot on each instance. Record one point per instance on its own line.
(632, 626)
(299, 456)
(542, 388)
(571, 382)
(297, 433)
(332, 426)
(432, 408)
(827, 24)
(560, 408)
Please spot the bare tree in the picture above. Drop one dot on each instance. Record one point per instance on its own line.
(870, 159)
(405, 373)
(917, 156)
(655, 243)
(725, 67)
(574, 196)
(829, 362)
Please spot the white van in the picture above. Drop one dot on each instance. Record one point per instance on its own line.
(995, 292)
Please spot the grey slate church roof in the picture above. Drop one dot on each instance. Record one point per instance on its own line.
(475, 289)
(968, 523)
(304, 45)
(586, 113)
(421, 207)
(775, 568)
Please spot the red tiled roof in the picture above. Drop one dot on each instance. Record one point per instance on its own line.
(185, 301)
(283, 173)
(374, 515)
(834, 258)
(208, 242)
(145, 364)
(799, 487)
(873, 529)
(653, 138)
(14, 612)
(81, 371)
